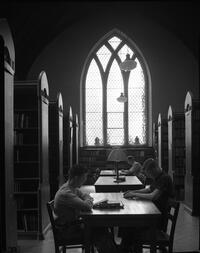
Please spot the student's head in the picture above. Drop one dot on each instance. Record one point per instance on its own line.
(78, 175)
(151, 168)
(130, 159)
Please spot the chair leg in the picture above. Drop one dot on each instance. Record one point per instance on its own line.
(63, 249)
(170, 249)
(57, 249)
(92, 249)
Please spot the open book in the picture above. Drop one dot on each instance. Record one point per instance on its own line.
(108, 204)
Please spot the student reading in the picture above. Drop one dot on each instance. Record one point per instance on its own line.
(159, 192)
(69, 201)
(135, 169)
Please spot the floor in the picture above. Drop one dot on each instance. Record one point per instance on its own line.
(186, 237)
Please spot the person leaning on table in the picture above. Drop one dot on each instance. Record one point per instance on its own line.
(160, 190)
(69, 201)
(135, 169)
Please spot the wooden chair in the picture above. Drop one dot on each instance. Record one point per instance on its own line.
(164, 239)
(60, 245)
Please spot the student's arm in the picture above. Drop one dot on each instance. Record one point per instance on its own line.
(80, 204)
(145, 195)
(134, 170)
(83, 196)
(123, 172)
(129, 194)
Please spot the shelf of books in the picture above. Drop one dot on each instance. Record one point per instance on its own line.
(31, 154)
(162, 142)
(192, 143)
(94, 160)
(56, 177)
(176, 150)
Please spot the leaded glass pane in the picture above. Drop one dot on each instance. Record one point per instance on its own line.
(93, 105)
(115, 109)
(115, 136)
(137, 76)
(137, 106)
(104, 55)
(135, 120)
(114, 89)
(114, 42)
(124, 51)
(136, 100)
(93, 128)
(112, 104)
(115, 120)
(93, 78)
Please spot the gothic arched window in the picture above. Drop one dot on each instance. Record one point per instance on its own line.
(105, 121)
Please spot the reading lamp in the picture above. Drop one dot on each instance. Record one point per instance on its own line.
(117, 155)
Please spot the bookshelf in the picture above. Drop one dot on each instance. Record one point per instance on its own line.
(56, 177)
(8, 225)
(67, 141)
(162, 142)
(31, 154)
(95, 160)
(192, 176)
(75, 140)
(176, 150)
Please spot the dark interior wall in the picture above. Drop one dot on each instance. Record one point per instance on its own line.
(173, 68)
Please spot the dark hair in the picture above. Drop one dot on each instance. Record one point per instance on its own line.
(149, 164)
(77, 170)
(131, 157)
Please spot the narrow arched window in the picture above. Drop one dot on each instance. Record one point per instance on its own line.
(105, 121)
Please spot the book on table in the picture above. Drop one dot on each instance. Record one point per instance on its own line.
(108, 204)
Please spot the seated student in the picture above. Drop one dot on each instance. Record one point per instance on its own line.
(159, 192)
(135, 169)
(69, 201)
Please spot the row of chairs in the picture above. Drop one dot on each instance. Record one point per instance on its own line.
(164, 239)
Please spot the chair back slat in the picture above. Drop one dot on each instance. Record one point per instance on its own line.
(50, 209)
(174, 207)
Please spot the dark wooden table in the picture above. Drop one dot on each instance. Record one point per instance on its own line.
(136, 213)
(107, 184)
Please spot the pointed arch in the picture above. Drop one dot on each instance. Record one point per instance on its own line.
(116, 123)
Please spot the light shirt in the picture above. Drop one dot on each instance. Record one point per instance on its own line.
(68, 203)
